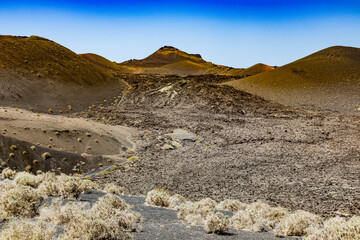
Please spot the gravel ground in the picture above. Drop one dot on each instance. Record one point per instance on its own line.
(247, 148)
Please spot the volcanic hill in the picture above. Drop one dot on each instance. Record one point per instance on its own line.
(39, 73)
(169, 60)
(328, 79)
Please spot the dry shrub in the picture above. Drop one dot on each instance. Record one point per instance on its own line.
(110, 218)
(6, 185)
(258, 217)
(27, 179)
(8, 173)
(112, 206)
(231, 205)
(176, 201)
(68, 187)
(196, 219)
(196, 213)
(65, 186)
(207, 202)
(157, 197)
(60, 215)
(248, 221)
(216, 223)
(297, 223)
(46, 155)
(3, 216)
(18, 200)
(336, 228)
(48, 184)
(113, 189)
(86, 185)
(27, 229)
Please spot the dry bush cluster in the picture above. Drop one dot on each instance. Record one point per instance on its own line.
(113, 189)
(7, 173)
(109, 218)
(336, 228)
(231, 205)
(257, 217)
(3, 216)
(19, 229)
(18, 200)
(216, 223)
(51, 184)
(158, 197)
(199, 213)
(297, 224)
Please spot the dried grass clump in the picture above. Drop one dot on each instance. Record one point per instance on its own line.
(207, 202)
(110, 218)
(86, 185)
(336, 228)
(65, 186)
(112, 206)
(8, 173)
(3, 216)
(113, 189)
(61, 215)
(196, 219)
(297, 223)
(231, 205)
(158, 197)
(176, 201)
(27, 179)
(18, 200)
(48, 184)
(46, 155)
(27, 229)
(216, 223)
(196, 213)
(258, 217)
(6, 185)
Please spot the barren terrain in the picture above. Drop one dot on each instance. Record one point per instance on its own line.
(246, 148)
(198, 135)
(76, 145)
(328, 79)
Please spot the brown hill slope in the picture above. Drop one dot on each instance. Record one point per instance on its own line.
(39, 73)
(99, 60)
(328, 79)
(38, 57)
(253, 70)
(170, 60)
(163, 56)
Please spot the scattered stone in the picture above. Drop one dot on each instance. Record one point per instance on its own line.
(175, 144)
(167, 147)
(182, 135)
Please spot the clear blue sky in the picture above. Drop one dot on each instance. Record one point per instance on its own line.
(234, 33)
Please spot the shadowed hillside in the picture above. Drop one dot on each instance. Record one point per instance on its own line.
(328, 79)
(39, 73)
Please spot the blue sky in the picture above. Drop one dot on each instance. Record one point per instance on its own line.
(234, 33)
